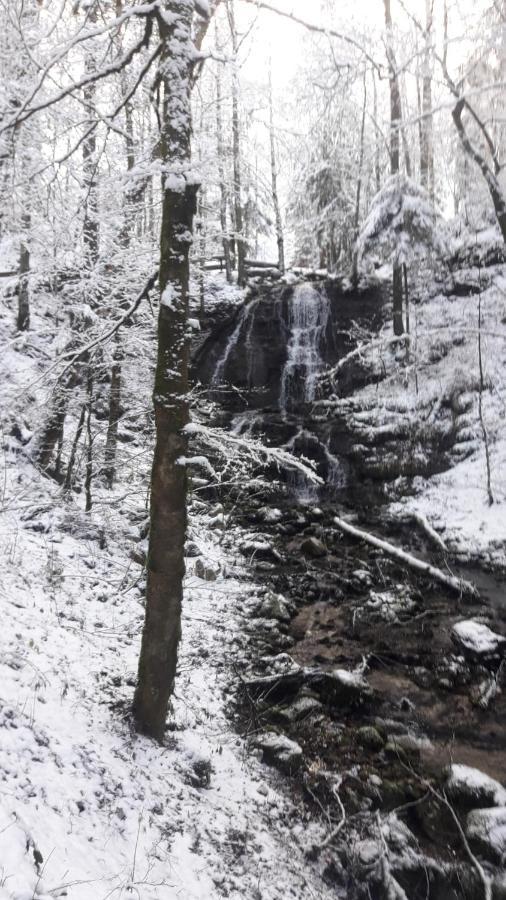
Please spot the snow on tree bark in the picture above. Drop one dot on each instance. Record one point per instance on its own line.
(165, 564)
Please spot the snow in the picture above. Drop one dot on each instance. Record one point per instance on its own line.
(88, 809)
(464, 780)
(478, 638)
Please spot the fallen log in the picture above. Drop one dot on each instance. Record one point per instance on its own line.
(462, 587)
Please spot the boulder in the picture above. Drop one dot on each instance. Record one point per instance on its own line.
(342, 688)
(191, 549)
(207, 569)
(274, 607)
(471, 788)
(486, 830)
(313, 546)
(477, 640)
(279, 751)
(370, 738)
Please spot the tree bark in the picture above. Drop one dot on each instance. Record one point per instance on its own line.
(491, 177)
(397, 293)
(90, 225)
(23, 317)
(236, 142)
(221, 172)
(426, 142)
(111, 442)
(165, 564)
(395, 94)
(395, 125)
(274, 183)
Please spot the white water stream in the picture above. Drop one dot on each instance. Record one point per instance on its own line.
(308, 315)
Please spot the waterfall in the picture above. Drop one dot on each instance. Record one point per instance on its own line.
(244, 322)
(308, 315)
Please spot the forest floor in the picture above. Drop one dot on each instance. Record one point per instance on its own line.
(88, 809)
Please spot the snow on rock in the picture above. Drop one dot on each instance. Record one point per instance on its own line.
(486, 828)
(279, 751)
(477, 639)
(470, 786)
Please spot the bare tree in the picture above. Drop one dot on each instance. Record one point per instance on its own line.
(165, 564)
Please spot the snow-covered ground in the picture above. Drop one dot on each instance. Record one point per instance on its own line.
(445, 361)
(88, 809)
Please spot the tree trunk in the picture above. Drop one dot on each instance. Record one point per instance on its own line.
(90, 225)
(395, 94)
(236, 142)
(395, 123)
(426, 142)
(111, 442)
(220, 150)
(165, 564)
(23, 317)
(397, 299)
(274, 183)
(490, 176)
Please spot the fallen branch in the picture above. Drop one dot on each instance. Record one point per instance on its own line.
(428, 530)
(459, 585)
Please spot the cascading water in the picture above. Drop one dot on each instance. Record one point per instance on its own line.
(244, 325)
(308, 315)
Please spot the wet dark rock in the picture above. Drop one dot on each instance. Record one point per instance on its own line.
(191, 549)
(342, 689)
(312, 546)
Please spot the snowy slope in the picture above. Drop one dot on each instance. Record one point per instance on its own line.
(87, 808)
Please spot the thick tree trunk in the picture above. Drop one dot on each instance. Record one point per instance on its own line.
(165, 565)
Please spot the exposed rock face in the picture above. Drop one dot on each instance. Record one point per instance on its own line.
(275, 349)
(282, 336)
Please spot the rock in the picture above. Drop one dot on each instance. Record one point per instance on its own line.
(406, 746)
(368, 853)
(279, 751)
(369, 737)
(207, 569)
(477, 640)
(342, 688)
(200, 774)
(191, 549)
(270, 514)
(301, 708)
(486, 829)
(274, 607)
(471, 788)
(313, 546)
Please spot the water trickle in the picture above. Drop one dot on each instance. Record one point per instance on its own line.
(308, 315)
